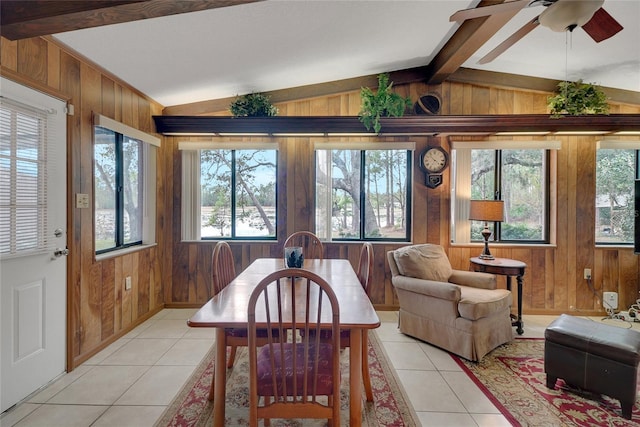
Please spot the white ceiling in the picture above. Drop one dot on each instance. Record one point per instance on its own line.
(280, 44)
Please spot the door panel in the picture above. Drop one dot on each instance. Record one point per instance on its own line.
(33, 287)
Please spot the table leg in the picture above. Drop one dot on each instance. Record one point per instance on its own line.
(520, 323)
(220, 367)
(355, 375)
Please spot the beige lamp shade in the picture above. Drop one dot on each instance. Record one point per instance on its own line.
(486, 210)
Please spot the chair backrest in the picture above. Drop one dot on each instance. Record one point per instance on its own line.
(365, 265)
(312, 247)
(223, 267)
(297, 364)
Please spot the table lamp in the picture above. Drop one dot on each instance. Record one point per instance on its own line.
(486, 210)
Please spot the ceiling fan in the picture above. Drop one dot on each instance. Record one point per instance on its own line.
(559, 15)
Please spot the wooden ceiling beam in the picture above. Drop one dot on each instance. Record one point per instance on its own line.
(467, 39)
(21, 19)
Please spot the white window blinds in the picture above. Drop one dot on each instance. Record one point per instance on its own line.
(25, 149)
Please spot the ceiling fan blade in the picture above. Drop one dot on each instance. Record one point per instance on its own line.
(478, 12)
(602, 26)
(510, 41)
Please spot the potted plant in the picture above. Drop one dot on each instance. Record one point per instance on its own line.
(578, 98)
(382, 103)
(253, 105)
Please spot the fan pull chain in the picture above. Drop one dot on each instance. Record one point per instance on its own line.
(568, 39)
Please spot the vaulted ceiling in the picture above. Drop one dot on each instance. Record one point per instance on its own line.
(190, 54)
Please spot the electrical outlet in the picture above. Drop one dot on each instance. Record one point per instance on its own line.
(127, 283)
(610, 300)
(587, 273)
(82, 200)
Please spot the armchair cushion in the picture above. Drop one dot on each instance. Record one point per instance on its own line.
(475, 279)
(477, 303)
(428, 262)
(429, 288)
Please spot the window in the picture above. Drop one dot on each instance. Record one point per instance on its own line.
(124, 183)
(25, 149)
(229, 192)
(518, 174)
(616, 171)
(363, 193)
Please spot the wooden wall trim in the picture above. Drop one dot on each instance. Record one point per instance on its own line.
(33, 84)
(408, 125)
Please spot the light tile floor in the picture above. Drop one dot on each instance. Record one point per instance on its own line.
(130, 382)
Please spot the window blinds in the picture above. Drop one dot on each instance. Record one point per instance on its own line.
(25, 149)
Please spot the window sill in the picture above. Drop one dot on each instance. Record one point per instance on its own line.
(125, 251)
(504, 245)
(615, 246)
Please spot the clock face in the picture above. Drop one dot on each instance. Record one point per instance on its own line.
(434, 159)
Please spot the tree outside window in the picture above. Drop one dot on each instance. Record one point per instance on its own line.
(118, 183)
(363, 194)
(238, 193)
(616, 170)
(517, 176)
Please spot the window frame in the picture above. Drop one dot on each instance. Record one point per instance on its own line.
(363, 148)
(461, 225)
(47, 129)
(147, 172)
(610, 144)
(497, 190)
(191, 226)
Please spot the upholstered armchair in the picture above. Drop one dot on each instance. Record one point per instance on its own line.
(462, 312)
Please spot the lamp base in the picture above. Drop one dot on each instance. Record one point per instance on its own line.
(486, 233)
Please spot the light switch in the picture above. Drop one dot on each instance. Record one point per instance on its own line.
(82, 200)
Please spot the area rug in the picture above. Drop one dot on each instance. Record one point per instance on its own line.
(191, 407)
(512, 377)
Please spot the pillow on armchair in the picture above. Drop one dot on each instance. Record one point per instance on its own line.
(427, 261)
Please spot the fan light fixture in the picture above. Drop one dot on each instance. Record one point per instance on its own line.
(487, 211)
(566, 15)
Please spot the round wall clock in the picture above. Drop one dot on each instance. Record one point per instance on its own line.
(434, 159)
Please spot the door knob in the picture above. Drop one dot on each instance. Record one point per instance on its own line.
(60, 252)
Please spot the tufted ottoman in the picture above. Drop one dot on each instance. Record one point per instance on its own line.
(594, 356)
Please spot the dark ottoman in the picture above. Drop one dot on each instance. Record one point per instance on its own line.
(593, 356)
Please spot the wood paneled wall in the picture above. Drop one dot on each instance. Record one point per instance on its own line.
(553, 282)
(99, 307)
(177, 273)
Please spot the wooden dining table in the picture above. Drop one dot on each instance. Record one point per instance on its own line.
(228, 309)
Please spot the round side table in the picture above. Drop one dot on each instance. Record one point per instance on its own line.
(505, 267)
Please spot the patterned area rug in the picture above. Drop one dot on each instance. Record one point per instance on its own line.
(513, 377)
(391, 406)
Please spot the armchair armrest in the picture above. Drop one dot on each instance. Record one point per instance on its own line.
(473, 279)
(442, 290)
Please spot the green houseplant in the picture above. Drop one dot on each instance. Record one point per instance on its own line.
(382, 103)
(253, 105)
(577, 98)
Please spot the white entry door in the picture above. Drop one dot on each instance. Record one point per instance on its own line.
(32, 226)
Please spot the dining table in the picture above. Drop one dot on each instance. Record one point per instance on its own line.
(228, 309)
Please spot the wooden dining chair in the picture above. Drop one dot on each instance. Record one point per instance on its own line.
(223, 267)
(312, 247)
(291, 373)
(364, 273)
(223, 272)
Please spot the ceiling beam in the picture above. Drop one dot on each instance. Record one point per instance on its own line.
(468, 38)
(21, 19)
